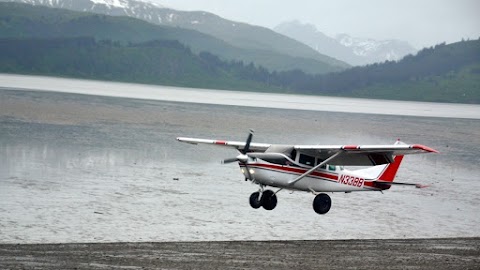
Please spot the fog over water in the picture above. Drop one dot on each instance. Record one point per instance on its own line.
(84, 168)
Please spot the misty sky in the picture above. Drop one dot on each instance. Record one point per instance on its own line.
(420, 22)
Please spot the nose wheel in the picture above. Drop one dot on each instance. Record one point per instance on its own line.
(267, 199)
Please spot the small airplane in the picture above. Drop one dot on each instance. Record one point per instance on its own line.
(315, 168)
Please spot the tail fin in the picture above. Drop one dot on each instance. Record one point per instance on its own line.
(388, 174)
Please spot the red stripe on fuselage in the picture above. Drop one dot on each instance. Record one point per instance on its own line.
(299, 171)
(296, 170)
(221, 142)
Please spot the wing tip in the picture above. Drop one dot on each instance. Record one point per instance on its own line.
(186, 140)
(424, 148)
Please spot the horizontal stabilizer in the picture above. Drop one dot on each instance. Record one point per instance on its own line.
(379, 182)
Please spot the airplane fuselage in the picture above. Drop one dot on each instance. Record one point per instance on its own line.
(321, 180)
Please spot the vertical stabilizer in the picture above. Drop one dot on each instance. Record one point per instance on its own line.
(388, 174)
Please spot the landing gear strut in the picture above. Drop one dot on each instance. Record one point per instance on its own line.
(267, 199)
(322, 203)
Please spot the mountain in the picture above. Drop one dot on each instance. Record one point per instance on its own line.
(255, 44)
(161, 62)
(375, 51)
(444, 73)
(25, 21)
(355, 51)
(57, 42)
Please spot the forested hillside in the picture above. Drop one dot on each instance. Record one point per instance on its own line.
(152, 62)
(444, 73)
(21, 20)
(122, 49)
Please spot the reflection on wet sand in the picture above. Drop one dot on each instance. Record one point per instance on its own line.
(78, 168)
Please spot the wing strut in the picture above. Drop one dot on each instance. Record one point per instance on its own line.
(290, 183)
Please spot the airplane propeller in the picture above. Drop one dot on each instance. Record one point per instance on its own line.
(243, 157)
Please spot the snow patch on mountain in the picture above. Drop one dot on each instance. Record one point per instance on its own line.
(365, 46)
(122, 4)
(171, 17)
(112, 3)
(353, 50)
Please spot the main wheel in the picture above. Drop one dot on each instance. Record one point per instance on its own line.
(269, 200)
(255, 200)
(322, 203)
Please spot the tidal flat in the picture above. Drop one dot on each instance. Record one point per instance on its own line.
(82, 168)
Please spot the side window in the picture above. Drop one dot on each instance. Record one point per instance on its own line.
(293, 155)
(324, 166)
(307, 160)
(332, 167)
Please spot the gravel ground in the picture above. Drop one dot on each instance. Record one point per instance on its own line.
(454, 253)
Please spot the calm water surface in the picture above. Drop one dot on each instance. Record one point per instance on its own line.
(238, 98)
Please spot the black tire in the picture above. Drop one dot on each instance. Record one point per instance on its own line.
(322, 203)
(269, 200)
(255, 200)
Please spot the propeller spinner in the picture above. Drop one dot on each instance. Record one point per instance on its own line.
(243, 157)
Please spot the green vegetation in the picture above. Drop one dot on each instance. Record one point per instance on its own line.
(152, 62)
(19, 20)
(248, 36)
(63, 43)
(462, 86)
(444, 73)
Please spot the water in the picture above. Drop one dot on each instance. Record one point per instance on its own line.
(237, 98)
(79, 168)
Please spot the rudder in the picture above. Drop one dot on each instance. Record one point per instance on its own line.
(390, 171)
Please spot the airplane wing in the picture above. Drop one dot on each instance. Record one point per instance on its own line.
(362, 155)
(255, 147)
(345, 155)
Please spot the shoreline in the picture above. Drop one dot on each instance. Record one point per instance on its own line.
(239, 98)
(440, 238)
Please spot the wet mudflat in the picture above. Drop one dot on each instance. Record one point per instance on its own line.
(107, 174)
(458, 253)
(105, 177)
(82, 169)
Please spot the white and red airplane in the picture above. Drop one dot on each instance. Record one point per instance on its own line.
(316, 168)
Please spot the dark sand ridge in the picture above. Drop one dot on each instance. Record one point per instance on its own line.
(455, 253)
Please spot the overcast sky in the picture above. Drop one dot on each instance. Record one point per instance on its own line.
(420, 22)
